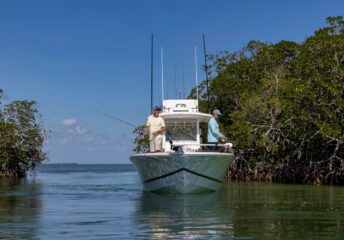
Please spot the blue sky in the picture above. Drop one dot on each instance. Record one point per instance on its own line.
(79, 57)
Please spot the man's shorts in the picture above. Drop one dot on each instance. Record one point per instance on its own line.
(155, 144)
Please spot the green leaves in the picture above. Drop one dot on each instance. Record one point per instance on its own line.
(283, 105)
(141, 140)
(284, 102)
(21, 138)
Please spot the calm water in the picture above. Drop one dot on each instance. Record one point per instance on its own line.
(107, 202)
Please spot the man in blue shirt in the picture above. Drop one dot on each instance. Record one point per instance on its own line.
(213, 129)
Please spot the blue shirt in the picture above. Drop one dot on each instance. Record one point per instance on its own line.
(213, 130)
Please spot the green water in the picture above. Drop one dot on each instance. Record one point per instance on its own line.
(286, 211)
(107, 202)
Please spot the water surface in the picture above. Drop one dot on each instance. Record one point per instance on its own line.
(107, 202)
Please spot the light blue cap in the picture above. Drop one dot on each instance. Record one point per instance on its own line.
(217, 112)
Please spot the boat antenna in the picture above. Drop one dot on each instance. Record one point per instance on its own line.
(183, 84)
(151, 109)
(206, 73)
(196, 74)
(162, 74)
(175, 81)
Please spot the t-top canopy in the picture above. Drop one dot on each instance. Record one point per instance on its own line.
(202, 117)
(182, 110)
(180, 105)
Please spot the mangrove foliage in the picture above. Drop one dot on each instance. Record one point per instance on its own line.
(21, 138)
(283, 107)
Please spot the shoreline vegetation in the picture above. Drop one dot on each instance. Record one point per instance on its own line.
(21, 138)
(283, 107)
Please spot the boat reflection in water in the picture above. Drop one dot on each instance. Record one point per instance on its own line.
(175, 216)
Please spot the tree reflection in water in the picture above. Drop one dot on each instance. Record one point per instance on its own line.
(20, 208)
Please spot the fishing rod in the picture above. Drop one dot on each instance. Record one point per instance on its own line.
(206, 73)
(151, 109)
(118, 119)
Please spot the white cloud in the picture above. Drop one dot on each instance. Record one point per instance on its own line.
(80, 131)
(69, 122)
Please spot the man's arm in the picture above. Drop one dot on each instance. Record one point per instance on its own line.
(146, 128)
(163, 126)
(156, 133)
(162, 129)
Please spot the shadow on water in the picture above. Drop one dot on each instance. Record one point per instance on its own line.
(20, 208)
(244, 211)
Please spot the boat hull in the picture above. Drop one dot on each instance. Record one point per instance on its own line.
(189, 172)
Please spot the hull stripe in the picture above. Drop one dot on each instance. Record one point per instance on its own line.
(179, 170)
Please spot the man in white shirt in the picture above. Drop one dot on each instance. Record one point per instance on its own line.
(156, 126)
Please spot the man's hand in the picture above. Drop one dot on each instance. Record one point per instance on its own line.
(156, 133)
(222, 138)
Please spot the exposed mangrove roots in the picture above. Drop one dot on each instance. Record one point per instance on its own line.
(296, 172)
